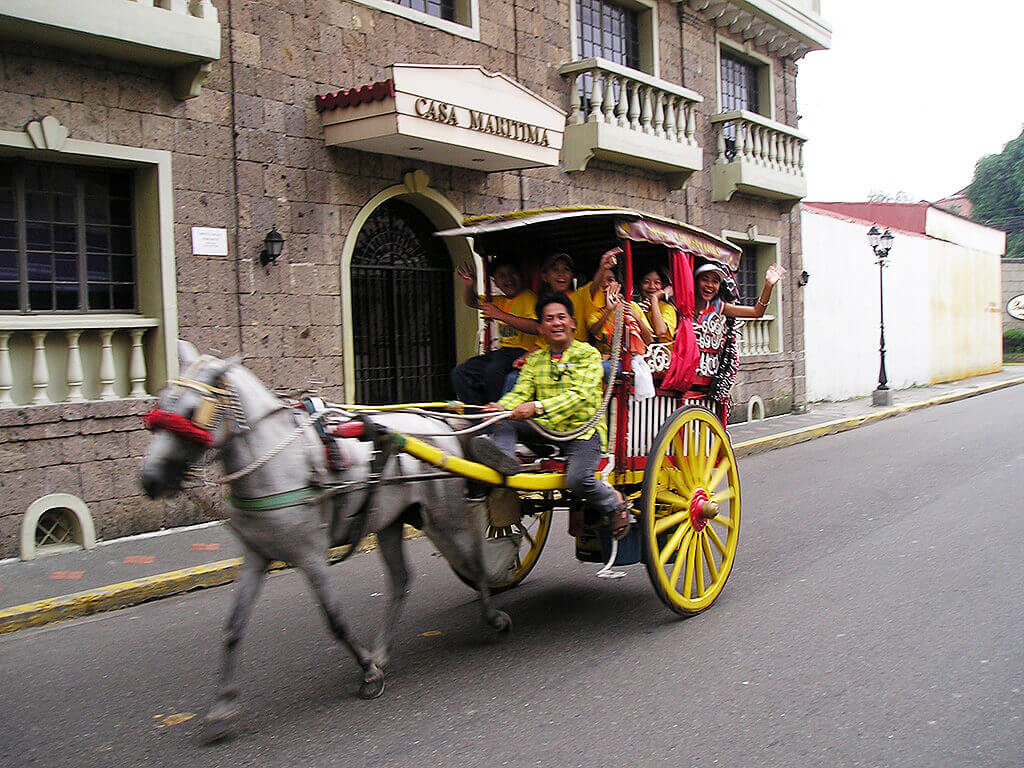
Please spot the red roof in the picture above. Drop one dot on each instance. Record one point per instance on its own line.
(909, 217)
(350, 97)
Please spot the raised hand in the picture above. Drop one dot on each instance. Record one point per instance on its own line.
(609, 258)
(774, 274)
(467, 274)
(488, 310)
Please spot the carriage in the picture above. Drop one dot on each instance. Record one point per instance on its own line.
(669, 454)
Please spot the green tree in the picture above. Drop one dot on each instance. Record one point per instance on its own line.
(997, 193)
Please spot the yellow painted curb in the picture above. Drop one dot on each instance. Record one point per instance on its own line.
(804, 434)
(128, 593)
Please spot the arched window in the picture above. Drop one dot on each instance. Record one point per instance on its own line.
(403, 327)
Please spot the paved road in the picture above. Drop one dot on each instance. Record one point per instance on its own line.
(874, 619)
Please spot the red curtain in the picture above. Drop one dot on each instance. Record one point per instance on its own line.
(685, 354)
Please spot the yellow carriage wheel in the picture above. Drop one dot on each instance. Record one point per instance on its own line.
(690, 510)
(533, 530)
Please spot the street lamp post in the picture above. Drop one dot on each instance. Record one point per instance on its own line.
(881, 243)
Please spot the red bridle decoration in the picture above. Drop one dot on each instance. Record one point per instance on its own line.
(177, 425)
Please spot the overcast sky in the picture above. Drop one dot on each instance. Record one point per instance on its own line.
(911, 95)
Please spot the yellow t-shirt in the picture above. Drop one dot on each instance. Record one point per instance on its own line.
(584, 306)
(668, 313)
(520, 305)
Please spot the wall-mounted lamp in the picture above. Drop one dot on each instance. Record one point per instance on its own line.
(273, 244)
(804, 277)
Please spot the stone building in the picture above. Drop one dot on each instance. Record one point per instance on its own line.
(147, 148)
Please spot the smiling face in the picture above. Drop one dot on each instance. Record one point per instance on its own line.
(508, 279)
(557, 326)
(651, 283)
(558, 276)
(708, 284)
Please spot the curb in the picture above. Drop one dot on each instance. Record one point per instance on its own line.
(129, 593)
(804, 434)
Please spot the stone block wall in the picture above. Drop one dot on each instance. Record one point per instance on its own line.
(248, 155)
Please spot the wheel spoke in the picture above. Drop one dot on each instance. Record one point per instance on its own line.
(688, 573)
(725, 521)
(673, 543)
(683, 462)
(678, 480)
(725, 495)
(675, 518)
(709, 461)
(677, 566)
(698, 564)
(709, 558)
(719, 474)
(715, 540)
(667, 497)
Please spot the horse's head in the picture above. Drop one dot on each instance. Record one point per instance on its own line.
(187, 420)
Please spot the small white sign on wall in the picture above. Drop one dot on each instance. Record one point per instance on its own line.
(209, 241)
(1015, 307)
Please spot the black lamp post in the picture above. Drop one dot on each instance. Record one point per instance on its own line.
(881, 243)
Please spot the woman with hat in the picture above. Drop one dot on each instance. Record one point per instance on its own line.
(713, 318)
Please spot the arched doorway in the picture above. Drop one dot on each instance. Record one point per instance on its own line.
(402, 308)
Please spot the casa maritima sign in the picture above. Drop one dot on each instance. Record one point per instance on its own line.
(442, 112)
(450, 114)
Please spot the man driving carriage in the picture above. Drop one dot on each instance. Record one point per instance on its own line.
(560, 386)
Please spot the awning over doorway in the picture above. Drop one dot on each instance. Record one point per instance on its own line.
(458, 115)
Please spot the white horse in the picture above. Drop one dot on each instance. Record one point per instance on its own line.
(273, 459)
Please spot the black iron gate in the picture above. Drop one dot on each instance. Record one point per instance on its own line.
(403, 324)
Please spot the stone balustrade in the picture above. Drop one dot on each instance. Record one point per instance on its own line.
(45, 360)
(628, 117)
(754, 336)
(757, 156)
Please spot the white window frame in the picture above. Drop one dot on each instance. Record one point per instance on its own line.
(467, 14)
(648, 32)
(154, 238)
(767, 254)
(765, 75)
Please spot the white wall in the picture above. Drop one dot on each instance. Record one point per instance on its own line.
(841, 310)
(939, 318)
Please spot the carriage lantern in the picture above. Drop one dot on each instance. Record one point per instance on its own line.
(273, 244)
(881, 243)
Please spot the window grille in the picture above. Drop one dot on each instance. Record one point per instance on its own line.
(740, 89)
(746, 276)
(441, 9)
(403, 314)
(55, 526)
(608, 31)
(67, 241)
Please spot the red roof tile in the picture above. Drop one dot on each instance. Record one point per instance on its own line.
(350, 97)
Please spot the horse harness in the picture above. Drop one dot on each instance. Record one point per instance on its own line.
(200, 426)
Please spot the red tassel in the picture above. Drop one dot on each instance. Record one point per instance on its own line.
(177, 425)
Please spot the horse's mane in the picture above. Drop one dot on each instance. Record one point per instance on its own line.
(256, 399)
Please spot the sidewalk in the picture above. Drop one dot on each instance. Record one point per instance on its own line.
(129, 571)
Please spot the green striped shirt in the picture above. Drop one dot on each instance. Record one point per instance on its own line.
(569, 389)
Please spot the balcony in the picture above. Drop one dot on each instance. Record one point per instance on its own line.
(757, 156)
(181, 35)
(68, 359)
(628, 117)
(782, 28)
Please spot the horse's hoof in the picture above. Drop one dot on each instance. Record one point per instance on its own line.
(502, 623)
(373, 685)
(218, 723)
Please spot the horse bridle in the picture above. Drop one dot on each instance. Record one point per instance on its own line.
(206, 417)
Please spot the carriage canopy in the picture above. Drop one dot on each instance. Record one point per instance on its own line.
(586, 233)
